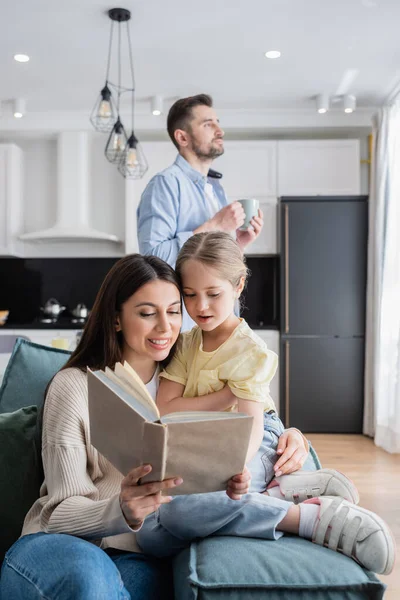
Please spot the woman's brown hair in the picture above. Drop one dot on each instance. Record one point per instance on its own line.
(101, 345)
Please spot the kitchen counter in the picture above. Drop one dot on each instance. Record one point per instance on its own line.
(62, 324)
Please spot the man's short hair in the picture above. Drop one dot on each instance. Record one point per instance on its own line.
(180, 113)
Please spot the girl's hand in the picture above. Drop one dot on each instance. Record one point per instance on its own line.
(239, 485)
(137, 501)
(293, 450)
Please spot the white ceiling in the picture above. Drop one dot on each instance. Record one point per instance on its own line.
(182, 47)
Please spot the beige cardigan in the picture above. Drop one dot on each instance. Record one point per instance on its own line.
(80, 493)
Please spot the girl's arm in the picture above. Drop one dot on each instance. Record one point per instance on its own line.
(170, 399)
(256, 410)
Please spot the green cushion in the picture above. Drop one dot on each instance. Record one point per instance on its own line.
(20, 472)
(28, 372)
(291, 568)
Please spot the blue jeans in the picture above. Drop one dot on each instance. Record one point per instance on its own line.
(55, 566)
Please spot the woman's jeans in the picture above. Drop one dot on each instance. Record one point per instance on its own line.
(55, 566)
(175, 525)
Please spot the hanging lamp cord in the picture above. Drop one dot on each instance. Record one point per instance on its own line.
(109, 51)
(132, 74)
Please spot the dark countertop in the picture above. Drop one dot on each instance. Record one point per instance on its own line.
(38, 325)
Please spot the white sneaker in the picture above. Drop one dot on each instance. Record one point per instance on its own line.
(302, 485)
(356, 532)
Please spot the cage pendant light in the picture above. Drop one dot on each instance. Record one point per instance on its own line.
(104, 113)
(127, 154)
(133, 163)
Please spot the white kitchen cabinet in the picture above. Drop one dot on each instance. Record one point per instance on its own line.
(248, 168)
(11, 207)
(318, 167)
(271, 338)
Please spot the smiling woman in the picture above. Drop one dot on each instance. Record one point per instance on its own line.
(136, 317)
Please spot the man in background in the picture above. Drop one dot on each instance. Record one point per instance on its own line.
(183, 199)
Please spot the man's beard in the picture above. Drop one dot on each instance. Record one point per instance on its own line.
(211, 153)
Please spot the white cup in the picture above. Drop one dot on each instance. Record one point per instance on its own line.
(250, 207)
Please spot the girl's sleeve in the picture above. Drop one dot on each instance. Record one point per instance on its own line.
(177, 368)
(251, 378)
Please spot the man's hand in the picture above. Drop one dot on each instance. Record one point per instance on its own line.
(227, 219)
(244, 238)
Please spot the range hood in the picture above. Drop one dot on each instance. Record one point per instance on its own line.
(72, 221)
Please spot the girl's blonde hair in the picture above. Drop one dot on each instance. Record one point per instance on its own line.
(219, 251)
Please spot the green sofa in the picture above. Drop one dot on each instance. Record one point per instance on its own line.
(216, 568)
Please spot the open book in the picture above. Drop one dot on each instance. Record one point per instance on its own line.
(205, 448)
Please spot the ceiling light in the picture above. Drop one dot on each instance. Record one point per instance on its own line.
(349, 103)
(273, 54)
(21, 57)
(157, 106)
(322, 102)
(19, 108)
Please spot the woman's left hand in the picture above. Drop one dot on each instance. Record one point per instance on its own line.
(293, 450)
(239, 485)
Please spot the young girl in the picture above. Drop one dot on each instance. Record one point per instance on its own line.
(222, 365)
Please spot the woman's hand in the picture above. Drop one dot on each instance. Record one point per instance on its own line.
(293, 448)
(137, 501)
(239, 485)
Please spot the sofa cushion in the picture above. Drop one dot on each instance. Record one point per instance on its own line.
(291, 568)
(28, 372)
(20, 472)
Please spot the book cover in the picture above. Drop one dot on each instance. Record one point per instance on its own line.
(204, 448)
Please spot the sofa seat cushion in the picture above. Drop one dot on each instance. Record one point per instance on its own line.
(20, 472)
(291, 568)
(29, 370)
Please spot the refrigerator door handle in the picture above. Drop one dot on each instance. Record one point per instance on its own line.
(287, 383)
(286, 208)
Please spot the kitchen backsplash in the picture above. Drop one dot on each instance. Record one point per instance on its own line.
(26, 284)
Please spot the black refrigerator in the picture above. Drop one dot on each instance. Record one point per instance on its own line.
(323, 287)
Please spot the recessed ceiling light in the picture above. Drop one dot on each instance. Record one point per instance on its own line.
(273, 54)
(21, 57)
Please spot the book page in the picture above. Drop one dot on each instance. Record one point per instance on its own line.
(122, 391)
(200, 415)
(129, 375)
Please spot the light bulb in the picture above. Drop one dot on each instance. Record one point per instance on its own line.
(131, 159)
(118, 142)
(105, 111)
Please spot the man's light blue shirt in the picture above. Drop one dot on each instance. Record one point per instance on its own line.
(173, 204)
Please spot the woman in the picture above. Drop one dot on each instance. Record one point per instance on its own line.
(78, 538)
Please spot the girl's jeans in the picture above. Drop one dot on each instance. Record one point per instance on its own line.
(175, 525)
